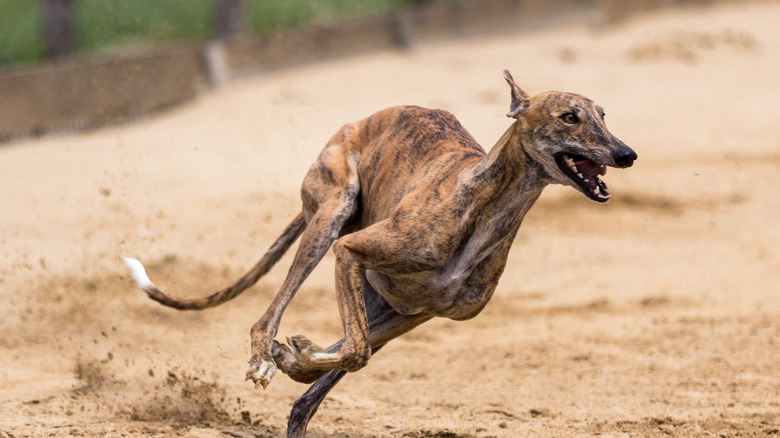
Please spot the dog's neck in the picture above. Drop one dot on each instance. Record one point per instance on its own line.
(505, 184)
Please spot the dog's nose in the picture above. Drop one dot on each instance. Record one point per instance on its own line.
(624, 156)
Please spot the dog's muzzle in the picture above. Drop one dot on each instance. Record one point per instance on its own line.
(624, 156)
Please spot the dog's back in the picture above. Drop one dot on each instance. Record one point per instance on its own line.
(407, 147)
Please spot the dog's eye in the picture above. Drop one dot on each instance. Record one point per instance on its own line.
(569, 118)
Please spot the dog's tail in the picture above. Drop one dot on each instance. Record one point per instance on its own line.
(277, 250)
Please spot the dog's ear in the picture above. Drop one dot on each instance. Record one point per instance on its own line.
(520, 99)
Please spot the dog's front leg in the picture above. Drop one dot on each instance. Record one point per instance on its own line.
(356, 349)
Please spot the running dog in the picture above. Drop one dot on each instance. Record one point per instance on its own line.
(421, 220)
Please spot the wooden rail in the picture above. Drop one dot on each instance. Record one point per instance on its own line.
(78, 94)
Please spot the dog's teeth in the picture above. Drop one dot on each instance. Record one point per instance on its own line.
(596, 191)
(581, 177)
(570, 162)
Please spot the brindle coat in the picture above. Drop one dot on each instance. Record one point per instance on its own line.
(421, 220)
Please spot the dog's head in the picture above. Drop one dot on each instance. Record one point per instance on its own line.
(568, 138)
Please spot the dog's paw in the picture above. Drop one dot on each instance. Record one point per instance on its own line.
(261, 371)
(295, 369)
(303, 348)
(350, 357)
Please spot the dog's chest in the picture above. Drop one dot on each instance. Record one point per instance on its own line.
(463, 284)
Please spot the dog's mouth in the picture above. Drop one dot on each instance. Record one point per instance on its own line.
(586, 174)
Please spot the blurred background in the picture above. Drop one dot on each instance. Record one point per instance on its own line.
(75, 64)
(35, 30)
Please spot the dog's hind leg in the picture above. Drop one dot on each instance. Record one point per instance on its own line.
(385, 324)
(306, 406)
(378, 311)
(383, 328)
(302, 372)
(329, 193)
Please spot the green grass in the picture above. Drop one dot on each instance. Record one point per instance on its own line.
(20, 36)
(115, 24)
(268, 15)
(109, 26)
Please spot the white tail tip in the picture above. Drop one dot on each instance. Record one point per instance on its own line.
(138, 272)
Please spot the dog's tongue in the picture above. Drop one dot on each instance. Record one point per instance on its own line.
(589, 169)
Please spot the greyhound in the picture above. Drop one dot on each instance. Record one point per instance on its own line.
(421, 220)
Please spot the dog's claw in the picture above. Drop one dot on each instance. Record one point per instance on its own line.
(261, 372)
(293, 346)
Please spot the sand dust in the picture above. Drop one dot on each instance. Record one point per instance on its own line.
(657, 314)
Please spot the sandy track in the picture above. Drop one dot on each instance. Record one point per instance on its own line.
(656, 314)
